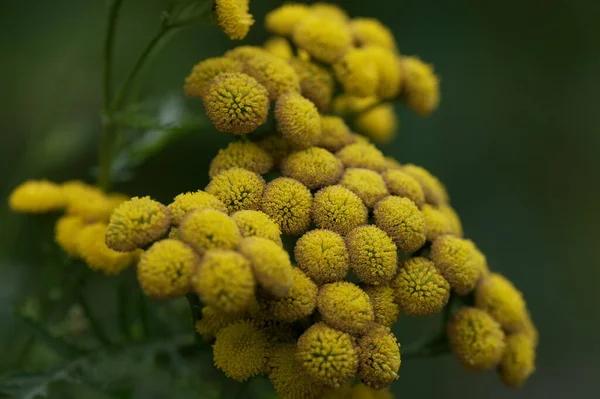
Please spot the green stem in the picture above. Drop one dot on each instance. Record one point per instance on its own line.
(195, 310)
(95, 325)
(109, 42)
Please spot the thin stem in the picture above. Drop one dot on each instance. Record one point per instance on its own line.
(109, 42)
(195, 310)
(95, 325)
(107, 148)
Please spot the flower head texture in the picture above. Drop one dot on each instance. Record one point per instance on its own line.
(277, 146)
(208, 229)
(346, 103)
(288, 203)
(370, 31)
(357, 73)
(244, 53)
(314, 167)
(165, 269)
(454, 259)
(237, 188)
(96, 254)
(283, 20)
(367, 184)
(316, 82)
(402, 184)
(204, 71)
(322, 255)
(245, 155)
(434, 190)
(402, 221)
(335, 134)
(37, 196)
(419, 288)
(388, 69)
(233, 17)
(379, 123)
(345, 306)
(274, 73)
(90, 203)
(476, 339)
(436, 222)
(373, 255)
(325, 39)
(385, 310)
(329, 11)
(224, 280)
(299, 302)
(288, 377)
(478, 258)
(257, 223)
(391, 163)
(236, 103)
(338, 209)
(214, 320)
(421, 86)
(298, 120)
(327, 355)
(362, 155)
(518, 362)
(279, 47)
(499, 297)
(455, 223)
(379, 357)
(196, 201)
(66, 233)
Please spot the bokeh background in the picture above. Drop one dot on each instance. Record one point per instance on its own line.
(516, 141)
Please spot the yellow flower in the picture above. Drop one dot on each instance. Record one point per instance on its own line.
(236, 103)
(518, 362)
(348, 104)
(299, 302)
(288, 377)
(314, 167)
(329, 11)
(419, 288)
(362, 391)
(453, 218)
(357, 73)
(499, 297)
(335, 134)
(224, 280)
(233, 17)
(237, 188)
(213, 320)
(244, 53)
(367, 184)
(298, 120)
(322, 255)
(373, 255)
(362, 155)
(204, 71)
(274, 73)
(208, 229)
(279, 47)
(404, 185)
(270, 263)
(436, 223)
(137, 223)
(345, 306)
(245, 155)
(385, 310)
(283, 19)
(164, 270)
(379, 123)
(97, 255)
(288, 203)
(370, 31)
(196, 201)
(257, 223)
(379, 357)
(435, 192)
(475, 339)
(478, 258)
(241, 350)
(388, 67)
(454, 259)
(391, 163)
(277, 146)
(91, 204)
(37, 196)
(328, 356)
(66, 233)
(325, 39)
(402, 221)
(421, 86)
(339, 209)
(316, 82)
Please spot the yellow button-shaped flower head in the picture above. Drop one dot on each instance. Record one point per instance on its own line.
(370, 31)
(233, 17)
(93, 250)
(298, 120)
(362, 155)
(388, 69)
(277, 146)
(37, 196)
(224, 280)
(499, 297)
(241, 350)
(402, 184)
(379, 357)
(244, 53)
(288, 203)
(288, 377)
(419, 287)
(279, 47)
(346, 103)
(357, 73)
(137, 223)
(453, 218)
(476, 339)
(435, 192)
(314, 167)
(316, 82)
(322, 255)
(345, 306)
(373, 255)
(208, 229)
(165, 269)
(421, 86)
(196, 201)
(453, 257)
(66, 233)
(325, 39)
(338, 209)
(283, 20)
(257, 223)
(327, 355)
(382, 297)
(518, 362)
(299, 302)
(367, 184)
(402, 221)
(236, 103)
(274, 73)
(479, 258)
(90, 203)
(204, 71)
(335, 134)
(329, 11)
(391, 163)
(436, 222)
(214, 320)
(237, 188)
(379, 123)
(245, 155)
(271, 264)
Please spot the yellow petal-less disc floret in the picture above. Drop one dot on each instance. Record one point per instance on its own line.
(274, 73)
(245, 155)
(362, 155)
(402, 221)
(391, 163)
(479, 258)
(214, 320)
(236, 103)
(208, 229)
(338, 209)
(277, 146)
(204, 71)
(421, 86)
(419, 287)
(237, 188)
(224, 280)
(241, 350)
(288, 203)
(316, 82)
(196, 201)
(367, 184)
(90, 203)
(327, 355)
(345, 306)
(299, 302)
(518, 362)
(314, 167)
(385, 310)
(233, 17)
(379, 123)
(257, 223)
(283, 20)
(435, 192)
(373, 256)
(379, 357)
(137, 223)
(288, 377)
(322, 255)
(165, 269)
(279, 47)
(402, 184)
(476, 339)
(455, 223)
(370, 31)
(37, 196)
(436, 223)
(93, 250)
(329, 11)
(244, 53)
(270, 263)
(388, 69)
(499, 297)
(335, 134)
(345, 103)
(357, 73)
(66, 233)
(453, 257)
(325, 39)
(298, 120)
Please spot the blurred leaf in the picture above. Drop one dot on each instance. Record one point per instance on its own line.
(33, 386)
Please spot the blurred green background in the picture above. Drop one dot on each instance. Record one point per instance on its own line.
(515, 141)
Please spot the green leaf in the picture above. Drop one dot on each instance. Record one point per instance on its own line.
(34, 386)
